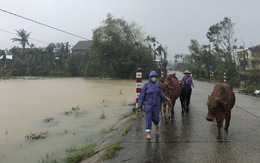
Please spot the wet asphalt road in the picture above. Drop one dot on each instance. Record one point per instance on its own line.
(190, 138)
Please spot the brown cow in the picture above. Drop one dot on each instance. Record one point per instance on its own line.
(172, 89)
(220, 103)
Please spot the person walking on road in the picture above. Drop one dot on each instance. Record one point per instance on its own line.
(150, 97)
(187, 82)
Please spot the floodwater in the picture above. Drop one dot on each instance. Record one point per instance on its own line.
(45, 105)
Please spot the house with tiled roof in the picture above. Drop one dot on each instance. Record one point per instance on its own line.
(81, 47)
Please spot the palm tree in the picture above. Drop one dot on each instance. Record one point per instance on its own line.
(23, 39)
(152, 42)
(162, 53)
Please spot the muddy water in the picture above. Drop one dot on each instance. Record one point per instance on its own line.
(27, 103)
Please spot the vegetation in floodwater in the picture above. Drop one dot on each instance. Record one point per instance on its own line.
(105, 103)
(36, 136)
(48, 120)
(76, 111)
(102, 116)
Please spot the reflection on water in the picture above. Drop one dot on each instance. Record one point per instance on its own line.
(26, 106)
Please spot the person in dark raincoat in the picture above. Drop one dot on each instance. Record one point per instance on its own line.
(187, 82)
(150, 97)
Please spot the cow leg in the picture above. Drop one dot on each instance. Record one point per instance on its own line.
(188, 100)
(169, 110)
(219, 134)
(172, 106)
(219, 124)
(186, 105)
(161, 112)
(182, 104)
(164, 112)
(227, 121)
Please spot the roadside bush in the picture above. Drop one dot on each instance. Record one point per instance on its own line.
(249, 81)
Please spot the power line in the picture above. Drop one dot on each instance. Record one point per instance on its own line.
(43, 24)
(7, 32)
(28, 38)
(38, 40)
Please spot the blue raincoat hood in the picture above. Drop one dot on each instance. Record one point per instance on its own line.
(153, 73)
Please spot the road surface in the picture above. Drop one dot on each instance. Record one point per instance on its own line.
(190, 138)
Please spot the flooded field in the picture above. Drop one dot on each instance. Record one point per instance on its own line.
(67, 109)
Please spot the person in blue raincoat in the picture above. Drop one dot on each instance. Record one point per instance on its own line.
(150, 97)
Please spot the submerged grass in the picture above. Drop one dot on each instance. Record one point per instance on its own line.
(48, 119)
(76, 111)
(36, 136)
(105, 103)
(102, 116)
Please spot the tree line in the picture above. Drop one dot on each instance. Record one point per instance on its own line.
(118, 49)
(218, 57)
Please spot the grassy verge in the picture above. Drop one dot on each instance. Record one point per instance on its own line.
(127, 129)
(111, 150)
(76, 155)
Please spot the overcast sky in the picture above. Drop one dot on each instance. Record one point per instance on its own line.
(173, 22)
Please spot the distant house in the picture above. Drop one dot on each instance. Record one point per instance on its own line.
(251, 55)
(81, 47)
(2, 52)
(8, 56)
(255, 57)
(4, 56)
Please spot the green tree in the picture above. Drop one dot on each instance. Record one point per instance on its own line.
(76, 64)
(162, 52)
(61, 53)
(220, 50)
(23, 39)
(49, 61)
(118, 49)
(202, 54)
(153, 43)
(158, 51)
(203, 57)
(222, 36)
